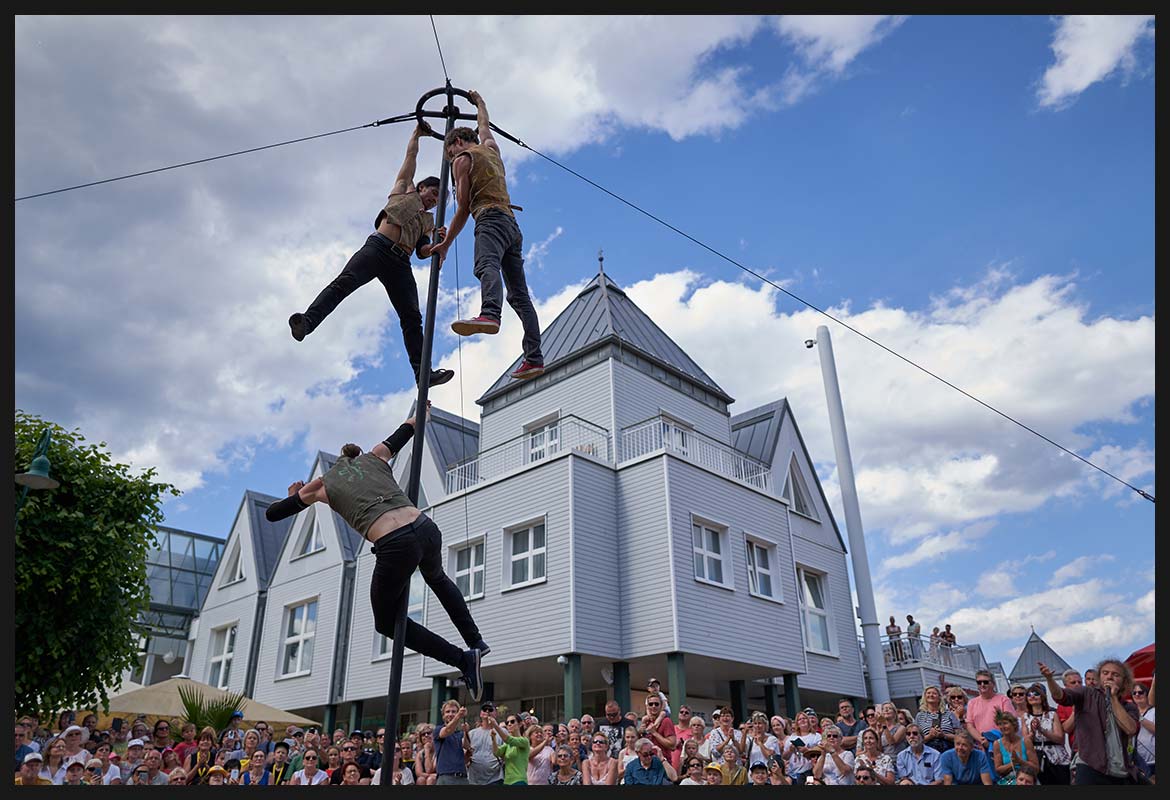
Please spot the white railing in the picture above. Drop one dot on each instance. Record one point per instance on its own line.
(663, 433)
(566, 433)
(906, 650)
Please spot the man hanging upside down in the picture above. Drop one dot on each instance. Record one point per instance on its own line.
(361, 488)
(404, 224)
(482, 192)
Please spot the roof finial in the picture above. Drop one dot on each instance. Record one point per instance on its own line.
(601, 261)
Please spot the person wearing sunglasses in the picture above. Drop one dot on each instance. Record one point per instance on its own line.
(918, 764)
(694, 773)
(864, 776)
(513, 750)
(658, 727)
(981, 709)
(310, 773)
(1144, 744)
(1044, 728)
(834, 765)
(254, 772)
(566, 772)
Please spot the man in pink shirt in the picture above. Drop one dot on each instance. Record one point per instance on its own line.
(981, 710)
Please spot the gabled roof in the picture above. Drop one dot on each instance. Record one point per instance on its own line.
(351, 540)
(755, 432)
(451, 438)
(602, 312)
(1036, 649)
(267, 537)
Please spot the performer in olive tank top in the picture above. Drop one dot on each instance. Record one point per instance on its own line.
(361, 488)
(403, 225)
(481, 191)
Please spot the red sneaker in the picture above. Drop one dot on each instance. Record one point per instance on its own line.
(470, 327)
(528, 370)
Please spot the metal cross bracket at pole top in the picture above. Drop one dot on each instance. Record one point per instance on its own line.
(450, 113)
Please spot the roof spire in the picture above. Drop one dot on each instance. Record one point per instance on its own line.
(601, 261)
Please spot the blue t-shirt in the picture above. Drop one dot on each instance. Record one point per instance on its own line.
(449, 753)
(637, 775)
(977, 764)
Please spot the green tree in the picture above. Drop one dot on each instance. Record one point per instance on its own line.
(80, 571)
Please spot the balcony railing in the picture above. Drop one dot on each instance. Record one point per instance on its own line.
(907, 651)
(663, 433)
(567, 433)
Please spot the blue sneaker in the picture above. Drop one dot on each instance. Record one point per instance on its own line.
(482, 647)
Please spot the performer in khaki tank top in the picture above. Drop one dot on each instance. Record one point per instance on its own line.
(404, 224)
(361, 488)
(482, 191)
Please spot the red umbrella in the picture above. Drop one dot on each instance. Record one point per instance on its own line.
(1142, 663)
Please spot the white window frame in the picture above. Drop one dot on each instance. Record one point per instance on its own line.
(805, 610)
(310, 533)
(298, 639)
(236, 559)
(751, 543)
(223, 656)
(529, 555)
(798, 486)
(416, 611)
(548, 428)
(724, 554)
(480, 543)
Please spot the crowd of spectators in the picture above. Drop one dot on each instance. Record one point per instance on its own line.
(1100, 730)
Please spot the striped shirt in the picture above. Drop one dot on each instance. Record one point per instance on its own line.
(942, 719)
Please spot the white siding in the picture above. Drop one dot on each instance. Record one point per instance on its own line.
(585, 394)
(788, 443)
(702, 608)
(528, 622)
(841, 673)
(307, 690)
(596, 557)
(638, 397)
(647, 609)
(241, 611)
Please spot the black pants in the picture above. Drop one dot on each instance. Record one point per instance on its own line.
(418, 545)
(377, 259)
(498, 257)
(1087, 776)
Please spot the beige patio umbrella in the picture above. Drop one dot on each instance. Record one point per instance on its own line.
(162, 700)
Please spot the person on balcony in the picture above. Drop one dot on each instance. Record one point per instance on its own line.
(362, 489)
(914, 636)
(893, 636)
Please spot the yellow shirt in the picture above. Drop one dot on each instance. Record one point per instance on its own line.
(40, 781)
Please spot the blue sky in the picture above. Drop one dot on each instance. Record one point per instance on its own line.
(975, 192)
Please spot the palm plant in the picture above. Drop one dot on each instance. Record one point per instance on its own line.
(214, 712)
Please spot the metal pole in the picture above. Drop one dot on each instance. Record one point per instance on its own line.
(390, 741)
(866, 608)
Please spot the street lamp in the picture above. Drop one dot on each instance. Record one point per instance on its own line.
(37, 476)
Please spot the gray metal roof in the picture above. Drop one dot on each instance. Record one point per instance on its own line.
(599, 312)
(351, 540)
(755, 432)
(267, 537)
(1036, 649)
(452, 439)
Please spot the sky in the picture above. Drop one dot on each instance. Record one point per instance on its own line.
(976, 193)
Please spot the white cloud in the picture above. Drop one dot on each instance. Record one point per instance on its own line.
(826, 45)
(1013, 619)
(1077, 568)
(1145, 605)
(1091, 637)
(935, 547)
(1088, 49)
(534, 258)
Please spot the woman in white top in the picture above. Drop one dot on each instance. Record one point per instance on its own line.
(402, 776)
(54, 767)
(599, 769)
(111, 774)
(628, 753)
(694, 770)
(759, 744)
(835, 764)
(802, 737)
(1144, 743)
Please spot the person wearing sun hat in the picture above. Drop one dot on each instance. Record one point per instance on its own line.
(216, 776)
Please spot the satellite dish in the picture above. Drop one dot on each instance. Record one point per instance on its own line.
(607, 675)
